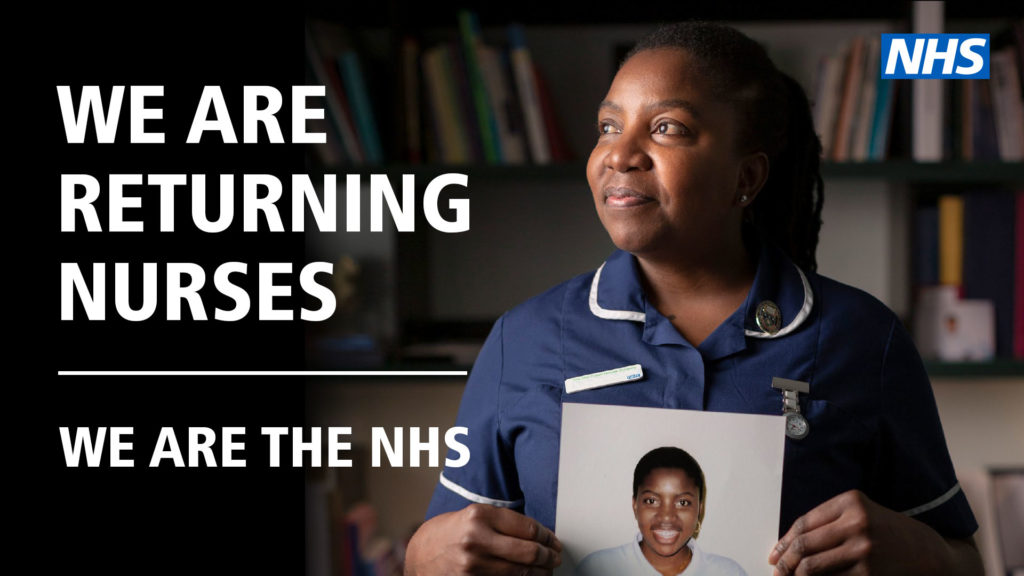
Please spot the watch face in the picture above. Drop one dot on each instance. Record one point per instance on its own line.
(796, 426)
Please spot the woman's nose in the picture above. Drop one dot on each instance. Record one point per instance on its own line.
(666, 511)
(627, 152)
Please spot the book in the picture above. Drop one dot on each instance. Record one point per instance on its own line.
(853, 76)
(529, 99)
(859, 148)
(988, 265)
(881, 125)
(926, 246)
(928, 107)
(983, 133)
(327, 42)
(360, 104)
(967, 91)
(455, 61)
(556, 140)
(410, 130)
(1007, 106)
(951, 240)
(1018, 275)
(827, 102)
(330, 152)
(445, 114)
(496, 74)
(480, 101)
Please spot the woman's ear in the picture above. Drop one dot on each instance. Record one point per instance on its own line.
(753, 174)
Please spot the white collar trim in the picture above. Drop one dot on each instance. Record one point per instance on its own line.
(596, 309)
(607, 314)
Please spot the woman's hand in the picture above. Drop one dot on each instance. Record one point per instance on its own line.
(482, 539)
(851, 534)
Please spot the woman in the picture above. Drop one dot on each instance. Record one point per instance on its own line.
(705, 174)
(669, 501)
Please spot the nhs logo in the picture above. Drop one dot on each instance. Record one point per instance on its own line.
(935, 56)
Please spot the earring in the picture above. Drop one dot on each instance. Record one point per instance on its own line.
(696, 529)
(743, 199)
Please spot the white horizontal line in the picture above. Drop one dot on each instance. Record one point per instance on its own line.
(262, 373)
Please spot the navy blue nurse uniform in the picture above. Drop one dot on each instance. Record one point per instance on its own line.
(873, 421)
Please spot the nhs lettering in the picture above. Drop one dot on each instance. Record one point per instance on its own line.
(935, 56)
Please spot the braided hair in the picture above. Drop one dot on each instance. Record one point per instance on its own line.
(775, 118)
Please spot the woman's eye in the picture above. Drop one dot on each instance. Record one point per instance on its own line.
(650, 501)
(670, 129)
(606, 128)
(684, 503)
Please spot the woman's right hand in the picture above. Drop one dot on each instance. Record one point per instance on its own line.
(482, 539)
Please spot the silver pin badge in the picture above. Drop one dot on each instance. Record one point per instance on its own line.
(768, 317)
(797, 426)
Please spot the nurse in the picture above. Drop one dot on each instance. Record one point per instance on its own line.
(705, 173)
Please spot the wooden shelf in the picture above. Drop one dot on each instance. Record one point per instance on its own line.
(927, 172)
(1002, 367)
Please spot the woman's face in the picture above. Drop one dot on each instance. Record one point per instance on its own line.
(665, 173)
(666, 507)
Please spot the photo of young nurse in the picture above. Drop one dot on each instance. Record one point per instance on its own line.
(669, 502)
(650, 491)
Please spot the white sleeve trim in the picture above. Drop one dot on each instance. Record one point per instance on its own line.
(596, 309)
(473, 497)
(805, 311)
(934, 503)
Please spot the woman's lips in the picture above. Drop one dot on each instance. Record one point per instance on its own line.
(622, 197)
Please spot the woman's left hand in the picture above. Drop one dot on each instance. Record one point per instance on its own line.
(851, 534)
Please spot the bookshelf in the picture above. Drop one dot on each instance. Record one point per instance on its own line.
(533, 225)
(425, 276)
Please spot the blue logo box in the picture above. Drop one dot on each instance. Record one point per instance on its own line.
(935, 56)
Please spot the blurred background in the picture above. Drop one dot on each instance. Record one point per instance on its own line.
(923, 209)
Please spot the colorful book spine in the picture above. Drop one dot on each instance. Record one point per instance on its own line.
(321, 52)
(481, 102)
(848, 105)
(362, 109)
(330, 151)
(510, 132)
(859, 150)
(951, 240)
(882, 122)
(522, 66)
(928, 107)
(455, 62)
(449, 131)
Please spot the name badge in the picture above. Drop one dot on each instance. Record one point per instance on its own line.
(602, 379)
